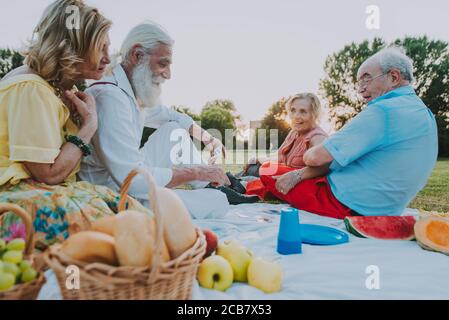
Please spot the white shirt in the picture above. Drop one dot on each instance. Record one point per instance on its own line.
(116, 144)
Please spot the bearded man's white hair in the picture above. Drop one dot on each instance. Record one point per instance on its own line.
(148, 35)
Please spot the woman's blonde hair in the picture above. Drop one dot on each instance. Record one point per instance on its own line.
(68, 33)
(314, 101)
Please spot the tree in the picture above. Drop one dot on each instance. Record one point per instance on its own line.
(275, 118)
(443, 135)
(218, 116)
(339, 85)
(188, 111)
(224, 104)
(431, 69)
(9, 60)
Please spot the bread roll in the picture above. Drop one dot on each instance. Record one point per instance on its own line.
(133, 233)
(105, 225)
(179, 231)
(91, 247)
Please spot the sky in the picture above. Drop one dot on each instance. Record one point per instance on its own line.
(250, 51)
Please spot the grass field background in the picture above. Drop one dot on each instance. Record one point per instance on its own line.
(434, 197)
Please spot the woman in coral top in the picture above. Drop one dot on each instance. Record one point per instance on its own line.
(289, 179)
(304, 112)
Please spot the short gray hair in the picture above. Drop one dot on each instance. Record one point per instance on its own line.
(393, 58)
(148, 35)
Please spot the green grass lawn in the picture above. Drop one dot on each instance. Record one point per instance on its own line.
(434, 197)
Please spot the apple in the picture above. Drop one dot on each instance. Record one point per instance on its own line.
(212, 242)
(265, 275)
(7, 281)
(29, 275)
(25, 265)
(238, 256)
(16, 244)
(11, 268)
(13, 256)
(215, 273)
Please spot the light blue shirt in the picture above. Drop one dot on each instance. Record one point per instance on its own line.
(385, 155)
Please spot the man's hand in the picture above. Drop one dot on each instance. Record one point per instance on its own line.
(286, 182)
(213, 174)
(216, 149)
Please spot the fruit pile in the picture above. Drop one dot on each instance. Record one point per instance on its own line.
(235, 263)
(13, 269)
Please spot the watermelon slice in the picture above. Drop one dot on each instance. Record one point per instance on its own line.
(382, 228)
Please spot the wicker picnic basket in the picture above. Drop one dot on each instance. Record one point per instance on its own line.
(172, 280)
(25, 291)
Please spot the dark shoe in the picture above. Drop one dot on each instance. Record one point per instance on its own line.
(234, 197)
(253, 170)
(236, 185)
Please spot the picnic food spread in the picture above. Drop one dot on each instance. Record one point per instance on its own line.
(134, 255)
(129, 240)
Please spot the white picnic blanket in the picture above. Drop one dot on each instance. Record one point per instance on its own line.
(320, 272)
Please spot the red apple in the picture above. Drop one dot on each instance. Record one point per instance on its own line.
(212, 242)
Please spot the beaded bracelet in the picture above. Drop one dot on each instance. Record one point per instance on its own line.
(80, 144)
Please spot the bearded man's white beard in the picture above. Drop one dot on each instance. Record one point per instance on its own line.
(147, 87)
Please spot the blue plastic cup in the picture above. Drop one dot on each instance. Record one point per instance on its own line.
(289, 237)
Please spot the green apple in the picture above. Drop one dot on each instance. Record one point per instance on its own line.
(7, 281)
(13, 256)
(215, 272)
(29, 275)
(265, 275)
(2, 244)
(16, 244)
(11, 268)
(238, 256)
(25, 265)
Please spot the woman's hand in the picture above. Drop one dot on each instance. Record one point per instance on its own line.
(286, 182)
(85, 107)
(70, 155)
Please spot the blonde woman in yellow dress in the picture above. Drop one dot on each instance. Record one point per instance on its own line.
(46, 126)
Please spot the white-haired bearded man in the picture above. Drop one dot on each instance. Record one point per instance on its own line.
(127, 101)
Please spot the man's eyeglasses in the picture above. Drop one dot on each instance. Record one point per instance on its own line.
(367, 80)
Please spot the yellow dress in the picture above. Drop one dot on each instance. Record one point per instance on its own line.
(33, 126)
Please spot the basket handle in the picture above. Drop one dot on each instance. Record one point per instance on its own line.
(9, 207)
(154, 203)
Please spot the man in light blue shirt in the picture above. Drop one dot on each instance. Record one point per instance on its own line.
(385, 155)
